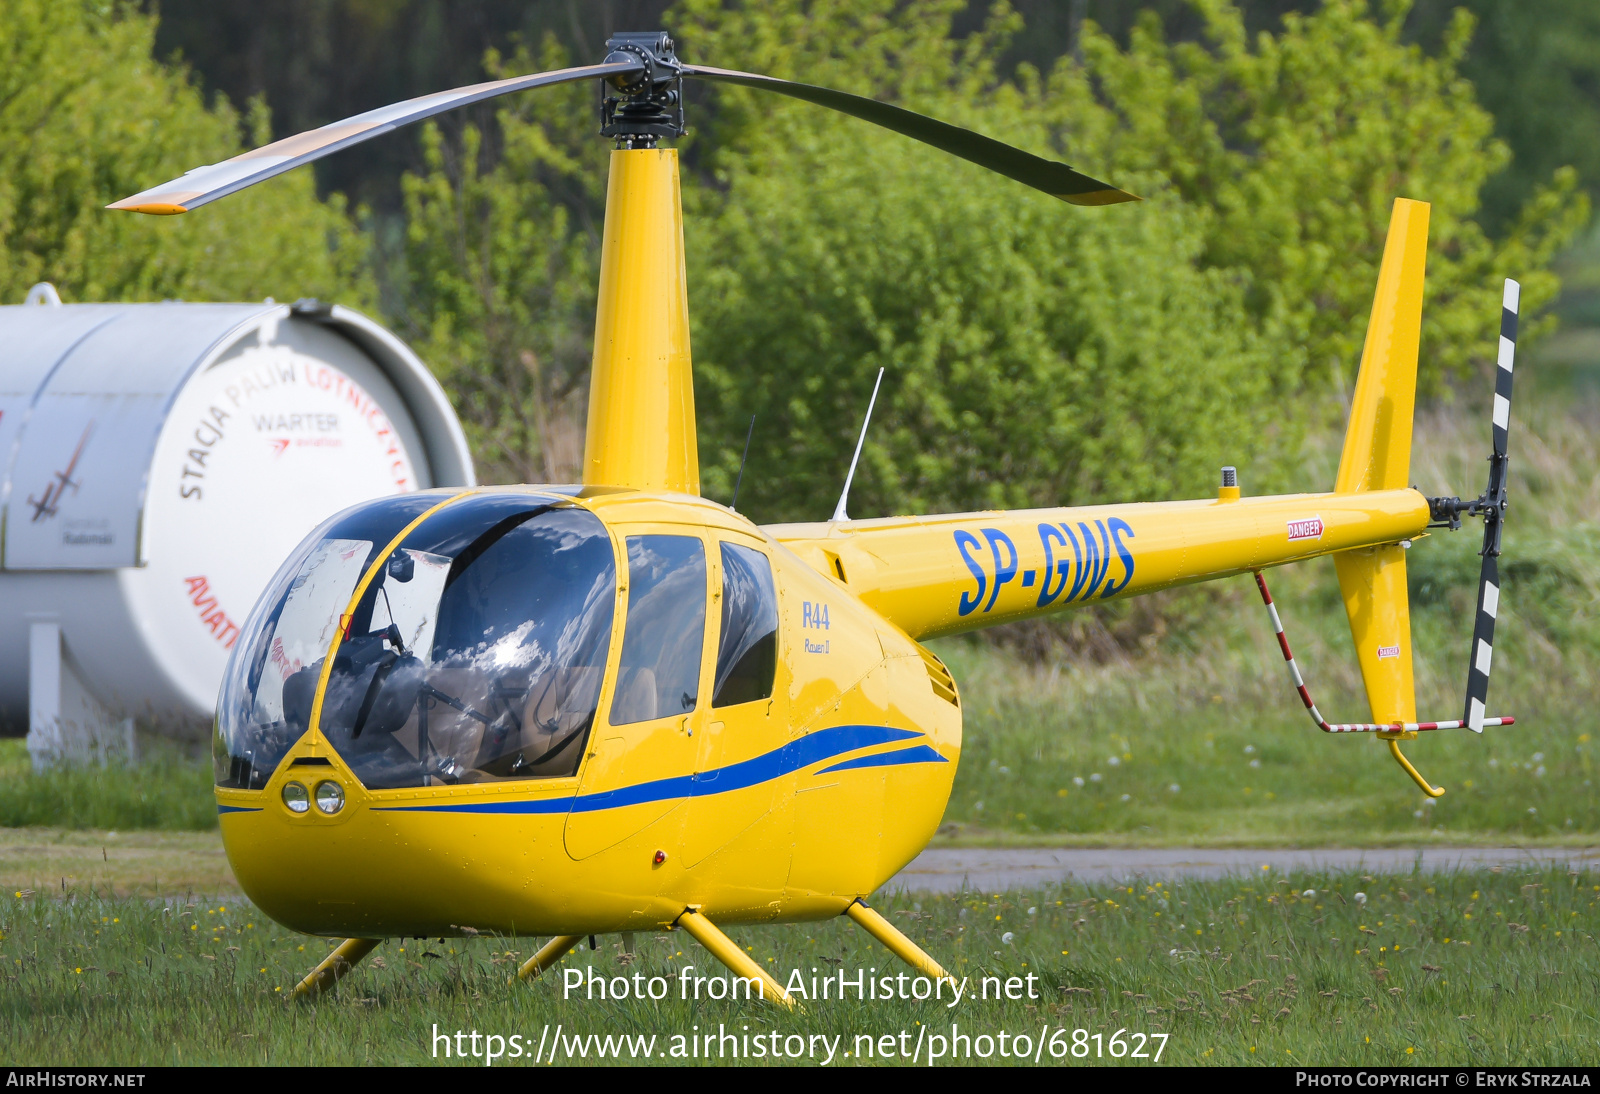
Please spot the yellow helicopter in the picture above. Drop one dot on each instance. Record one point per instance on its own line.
(619, 706)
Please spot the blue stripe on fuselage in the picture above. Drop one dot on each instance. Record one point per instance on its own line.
(917, 754)
(812, 748)
(221, 809)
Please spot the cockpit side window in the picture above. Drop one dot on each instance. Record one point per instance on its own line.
(747, 652)
(661, 646)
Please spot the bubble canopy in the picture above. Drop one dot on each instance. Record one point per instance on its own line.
(475, 652)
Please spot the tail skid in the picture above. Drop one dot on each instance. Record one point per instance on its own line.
(1395, 732)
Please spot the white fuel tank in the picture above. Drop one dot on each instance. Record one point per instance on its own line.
(157, 463)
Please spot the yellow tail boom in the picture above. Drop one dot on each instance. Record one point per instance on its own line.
(934, 576)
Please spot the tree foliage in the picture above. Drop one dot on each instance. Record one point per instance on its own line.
(1537, 69)
(1039, 353)
(1299, 142)
(1035, 352)
(499, 274)
(87, 117)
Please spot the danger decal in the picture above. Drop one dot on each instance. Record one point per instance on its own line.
(1308, 528)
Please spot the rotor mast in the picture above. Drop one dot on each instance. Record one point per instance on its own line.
(641, 388)
(641, 430)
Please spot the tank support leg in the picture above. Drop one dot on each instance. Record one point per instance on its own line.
(901, 946)
(552, 951)
(727, 951)
(333, 968)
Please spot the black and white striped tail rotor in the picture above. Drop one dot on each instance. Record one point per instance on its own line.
(1507, 358)
(1492, 506)
(1482, 644)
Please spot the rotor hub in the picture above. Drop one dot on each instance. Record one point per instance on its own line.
(640, 107)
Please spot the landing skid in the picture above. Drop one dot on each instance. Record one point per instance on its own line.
(351, 951)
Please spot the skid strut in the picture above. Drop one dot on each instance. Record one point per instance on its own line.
(1393, 732)
(345, 957)
(548, 955)
(727, 951)
(898, 944)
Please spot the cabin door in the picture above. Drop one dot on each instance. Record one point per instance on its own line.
(742, 767)
(638, 773)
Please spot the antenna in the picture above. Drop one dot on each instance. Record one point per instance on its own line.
(751, 432)
(844, 495)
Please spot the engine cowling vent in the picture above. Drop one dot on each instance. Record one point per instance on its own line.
(944, 685)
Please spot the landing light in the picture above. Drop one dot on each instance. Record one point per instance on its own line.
(295, 798)
(330, 797)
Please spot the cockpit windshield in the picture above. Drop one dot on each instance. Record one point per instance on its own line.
(475, 652)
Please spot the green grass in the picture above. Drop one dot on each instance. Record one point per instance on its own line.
(169, 790)
(1218, 751)
(1472, 968)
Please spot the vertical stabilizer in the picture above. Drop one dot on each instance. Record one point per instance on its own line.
(1377, 456)
(641, 391)
(1377, 444)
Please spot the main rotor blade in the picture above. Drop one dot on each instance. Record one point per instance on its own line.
(1056, 179)
(207, 184)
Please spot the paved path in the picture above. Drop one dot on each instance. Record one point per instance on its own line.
(948, 870)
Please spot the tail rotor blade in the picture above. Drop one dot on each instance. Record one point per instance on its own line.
(1482, 644)
(1507, 357)
(1493, 507)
